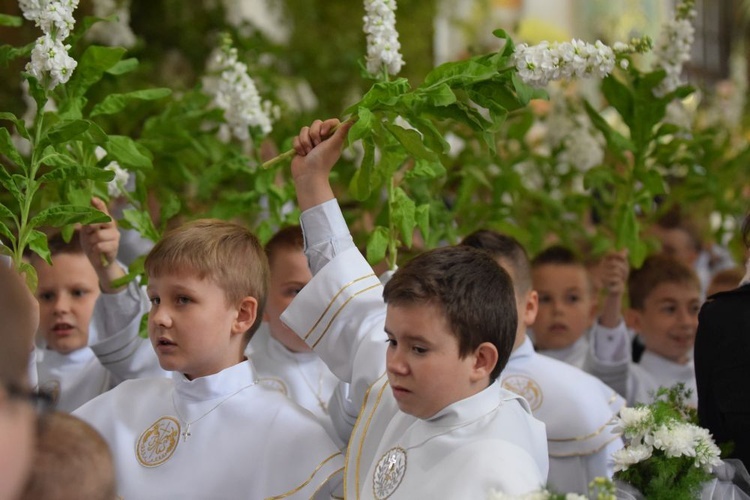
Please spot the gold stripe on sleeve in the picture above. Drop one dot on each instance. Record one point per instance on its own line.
(364, 436)
(295, 490)
(582, 438)
(335, 315)
(585, 453)
(330, 304)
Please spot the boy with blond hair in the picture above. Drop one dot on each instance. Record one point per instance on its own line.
(71, 460)
(207, 282)
(665, 298)
(576, 408)
(421, 355)
(283, 361)
(569, 314)
(89, 329)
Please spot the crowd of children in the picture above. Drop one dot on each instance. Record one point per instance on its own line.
(293, 371)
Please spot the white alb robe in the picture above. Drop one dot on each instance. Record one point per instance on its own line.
(245, 441)
(301, 376)
(484, 442)
(118, 354)
(577, 410)
(610, 360)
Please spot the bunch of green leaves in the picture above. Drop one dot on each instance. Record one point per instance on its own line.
(402, 172)
(52, 186)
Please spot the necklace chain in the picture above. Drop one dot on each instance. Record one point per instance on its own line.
(315, 393)
(186, 433)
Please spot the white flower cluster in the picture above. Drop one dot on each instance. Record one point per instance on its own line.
(235, 93)
(116, 33)
(540, 64)
(673, 47)
(673, 438)
(50, 62)
(116, 186)
(382, 38)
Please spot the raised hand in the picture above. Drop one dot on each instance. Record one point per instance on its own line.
(100, 242)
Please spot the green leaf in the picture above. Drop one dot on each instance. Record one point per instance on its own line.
(63, 215)
(12, 21)
(74, 172)
(422, 216)
(440, 95)
(8, 183)
(6, 213)
(377, 244)
(92, 65)
(7, 233)
(8, 149)
(361, 184)
(124, 66)
(141, 222)
(411, 140)
(403, 214)
(362, 127)
(425, 169)
(619, 97)
(653, 182)
(32, 281)
(20, 125)
(626, 227)
(65, 131)
(38, 243)
(114, 103)
(126, 151)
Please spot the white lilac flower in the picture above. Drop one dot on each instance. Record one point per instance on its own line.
(676, 439)
(383, 47)
(235, 92)
(583, 149)
(634, 423)
(115, 33)
(50, 61)
(707, 454)
(540, 64)
(116, 186)
(673, 47)
(630, 455)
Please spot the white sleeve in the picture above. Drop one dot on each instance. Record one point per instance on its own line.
(326, 234)
(340, 313)
(609, 357)
(119, 347)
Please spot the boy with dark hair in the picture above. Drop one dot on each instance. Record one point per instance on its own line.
(435, 424)
(576, 407)
(283, 361)
(664, 300)
(569, 314)
(207, 282)
(89, 330)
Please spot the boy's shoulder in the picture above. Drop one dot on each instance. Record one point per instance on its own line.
(572, 403)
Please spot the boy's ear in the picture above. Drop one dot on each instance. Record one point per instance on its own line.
(633, 319)
(531, 308)
(485, 359)
(247, 312)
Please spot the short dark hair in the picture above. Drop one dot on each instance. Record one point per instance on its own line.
(654, 271)
(503, 246)
(557, 254)
(287, 238)
(674, 218)
(475, 294)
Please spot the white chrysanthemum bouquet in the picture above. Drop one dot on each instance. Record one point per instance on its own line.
(666, 455)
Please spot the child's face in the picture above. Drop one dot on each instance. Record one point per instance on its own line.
(566, 307)
(289, 273)
(192, 326)
(669, 320)
(422, 362)
(67, 293)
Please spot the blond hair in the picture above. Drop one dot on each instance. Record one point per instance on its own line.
(224, 252)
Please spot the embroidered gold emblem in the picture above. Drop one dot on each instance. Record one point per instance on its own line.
(526, 387)
(157, 443)
(389, 473)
